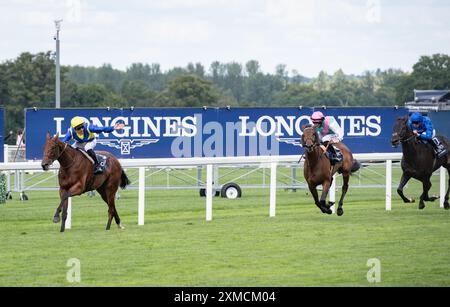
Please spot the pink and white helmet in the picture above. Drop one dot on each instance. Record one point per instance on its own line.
(317, 117)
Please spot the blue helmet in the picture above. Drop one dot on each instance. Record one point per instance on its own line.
(416, 117)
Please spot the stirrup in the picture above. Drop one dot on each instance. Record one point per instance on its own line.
(97, 169)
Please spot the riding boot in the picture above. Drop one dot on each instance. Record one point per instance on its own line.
(329, 153)
(335, 154)
(338, 154)
(97, 167)
(439, 148)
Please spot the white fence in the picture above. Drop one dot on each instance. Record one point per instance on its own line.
(270, 162)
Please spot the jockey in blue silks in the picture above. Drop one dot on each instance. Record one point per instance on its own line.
(84, 135)
(422, 128)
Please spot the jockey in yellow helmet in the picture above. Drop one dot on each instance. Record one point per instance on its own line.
(84, 136)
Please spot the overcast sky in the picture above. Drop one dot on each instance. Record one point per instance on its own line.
(306, 35)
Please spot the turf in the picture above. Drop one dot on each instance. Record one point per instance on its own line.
(242, 246)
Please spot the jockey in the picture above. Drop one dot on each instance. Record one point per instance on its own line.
(83, 134)
(329, 131)
(422, 128)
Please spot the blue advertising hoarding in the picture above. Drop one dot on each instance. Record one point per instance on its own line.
(213, 132)
(2, 134)
(440, 122)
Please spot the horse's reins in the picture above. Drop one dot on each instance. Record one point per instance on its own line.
(73, 161)
(326, 148)
(408, 139)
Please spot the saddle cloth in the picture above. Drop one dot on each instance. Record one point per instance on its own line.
(102, 160)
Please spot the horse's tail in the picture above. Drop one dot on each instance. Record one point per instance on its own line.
(124, 181)
(355, 166)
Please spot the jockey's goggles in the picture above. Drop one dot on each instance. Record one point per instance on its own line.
(79, 127)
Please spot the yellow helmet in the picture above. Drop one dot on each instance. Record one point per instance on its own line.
(76, 121)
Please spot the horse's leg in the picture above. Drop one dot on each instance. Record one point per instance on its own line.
(315, 195)
(323, 198)
(104, 194)
(346, 177)
(426, 183)
(108, 194)
(56, 217)
(446, 204)
(117, 219)
(428, 198)
(75, 190)
(64, 204)
(403, 182)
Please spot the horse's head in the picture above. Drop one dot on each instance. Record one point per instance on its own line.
(310, 138)
(401, 131)
(52, 151)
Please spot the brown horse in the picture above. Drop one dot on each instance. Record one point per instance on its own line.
(418, 162)
(319, 171)
(76, 177)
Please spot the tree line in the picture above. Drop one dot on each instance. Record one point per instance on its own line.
(29, 81)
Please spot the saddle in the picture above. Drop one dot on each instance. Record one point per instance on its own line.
(333, 154)
(102, 160)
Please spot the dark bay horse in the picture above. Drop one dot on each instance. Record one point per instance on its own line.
(418, 162)
(319, 171)
(76, 177)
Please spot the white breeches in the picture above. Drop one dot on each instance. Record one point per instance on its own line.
(329, 137)
(86, 146)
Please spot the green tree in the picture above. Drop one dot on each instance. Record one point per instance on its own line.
(27, 81)
(188, 91)
(429, 73)
(342, 89)
(137, 93)
(252, 67)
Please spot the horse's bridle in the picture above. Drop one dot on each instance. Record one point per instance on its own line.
(310, 147)
(408, 139)
(61, 153)
(65, 146)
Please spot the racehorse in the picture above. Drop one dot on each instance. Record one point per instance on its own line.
(319, 171)
(418, 162)
(76, 177)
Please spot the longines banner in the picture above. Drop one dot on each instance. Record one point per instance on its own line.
(212, 132)
(2, 133)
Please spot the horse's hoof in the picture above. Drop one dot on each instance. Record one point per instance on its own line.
(421, 206)
(412, 200)
(446, 206)
(340, 212)
(56, 219)
(120, 226)
(433, 198)
(326, 210)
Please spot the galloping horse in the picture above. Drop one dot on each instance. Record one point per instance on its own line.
(76, 177)
(418, 162)
(318, 169)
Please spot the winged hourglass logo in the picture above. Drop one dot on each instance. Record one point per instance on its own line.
(291, 141)
(126, 145)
